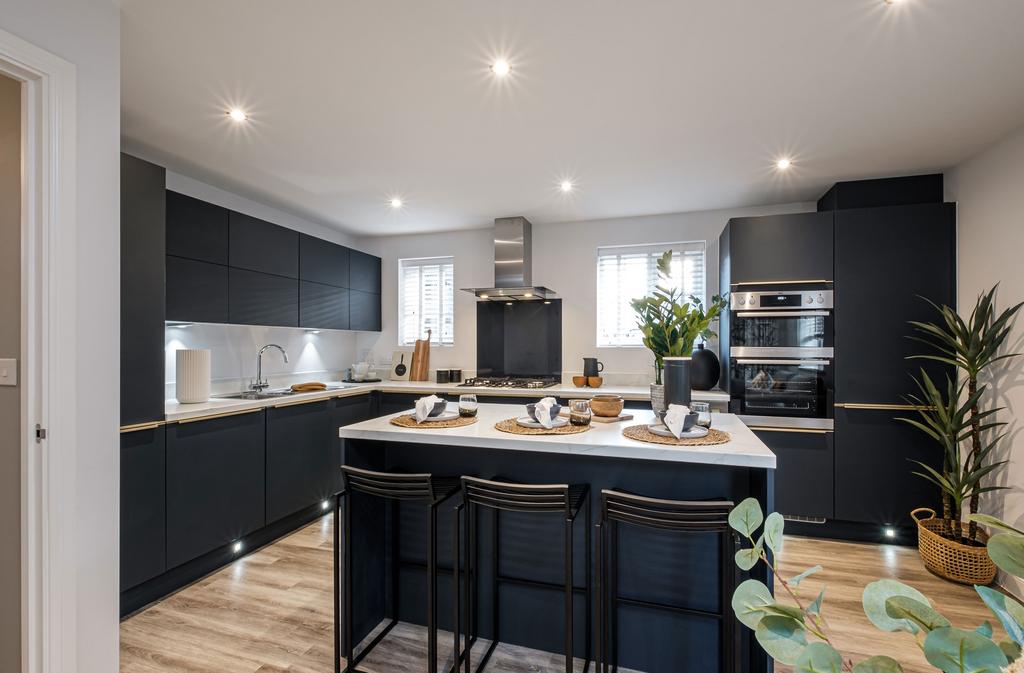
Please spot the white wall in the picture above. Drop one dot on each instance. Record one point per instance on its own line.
(86, 33)
(989, 191)
(564, 259)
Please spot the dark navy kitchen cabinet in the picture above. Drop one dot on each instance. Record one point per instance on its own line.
(795, 247)
(803, 471)
(143, 308)
(196, 291)
(323, 306)
(348, 410)
(323, 262)
(364, 272)
(263, 299)
(216, 476)
(196, 229)
(302, 457)
(143, 530)
(364, 311)
(258, 245)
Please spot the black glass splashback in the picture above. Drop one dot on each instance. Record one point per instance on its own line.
(523, 338)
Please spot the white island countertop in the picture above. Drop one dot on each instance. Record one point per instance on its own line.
(603, 439)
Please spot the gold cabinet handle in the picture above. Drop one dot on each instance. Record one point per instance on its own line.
(221, 415)
(809, 431)
(869, 406)
(300, 402)
(152, 425)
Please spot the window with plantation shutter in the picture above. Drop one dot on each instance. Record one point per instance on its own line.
(629, 272)
(426, 294)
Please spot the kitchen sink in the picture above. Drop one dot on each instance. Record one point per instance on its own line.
(277, 392)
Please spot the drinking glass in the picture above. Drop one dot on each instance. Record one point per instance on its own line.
(467, 406)
(579, 412)
(703, 411)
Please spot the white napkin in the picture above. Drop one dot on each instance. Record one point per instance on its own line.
(543, 411)
(424, 406)
(675, 417)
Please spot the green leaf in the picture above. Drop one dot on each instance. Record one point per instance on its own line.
(815, 607)
(1009, 612)
(748, 558)
(819, 658)
(746, 517)
(773, 527)
(921, 614)
(749, 601)
(1007, 552)
(785, 611)
(878, 665)
(1011, 650)
(994, 523)
(985, 629)
(795, 582)
(955, 651)
(783, 638)
(874, 598)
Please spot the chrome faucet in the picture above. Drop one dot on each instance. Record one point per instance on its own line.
(260, 384)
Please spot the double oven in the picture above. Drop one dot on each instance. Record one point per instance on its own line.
(781, 351)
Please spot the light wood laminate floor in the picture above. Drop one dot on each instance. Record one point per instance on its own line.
(270, 612)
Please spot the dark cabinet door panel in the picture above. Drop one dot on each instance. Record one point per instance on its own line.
(803, 473)
(263, 299)
(142, 290)
(258, 245)
(364, 272)
(887, 259)
(196, 291)
(364, 311)
(216, 474)
(347, 410)
(143, 550)
(874, 454)
(196, 229)
(792, 247)
(302, 458)
(324, 262)
(323, 306)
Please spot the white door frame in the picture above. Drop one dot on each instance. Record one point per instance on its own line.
(48, 356)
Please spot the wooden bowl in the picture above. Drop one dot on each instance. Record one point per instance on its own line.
(579, 381)
(595, 381)
(608, 406)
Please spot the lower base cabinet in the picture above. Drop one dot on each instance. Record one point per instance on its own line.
(803, 471)
(143, 506)
(301, 457)
(216, 476)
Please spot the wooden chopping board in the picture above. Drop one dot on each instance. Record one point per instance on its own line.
(420, 367)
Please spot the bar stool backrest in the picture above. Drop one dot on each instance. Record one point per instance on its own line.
(394, 485)
(516, 497)
(677, 515)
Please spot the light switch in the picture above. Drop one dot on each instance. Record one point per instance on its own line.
(8, 372)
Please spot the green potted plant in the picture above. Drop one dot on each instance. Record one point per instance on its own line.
(953, 416)
(671, 324)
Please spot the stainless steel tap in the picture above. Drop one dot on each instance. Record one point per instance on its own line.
(260, 384)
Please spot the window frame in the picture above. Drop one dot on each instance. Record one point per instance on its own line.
(435, 340)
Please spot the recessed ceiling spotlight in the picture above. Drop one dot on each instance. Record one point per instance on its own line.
(237, 114)
(501, 68)
(784, 163)
(396, 203)
(565, 186)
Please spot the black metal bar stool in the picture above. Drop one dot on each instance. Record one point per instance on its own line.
(676, 516)
(555, 499)
(427, 489)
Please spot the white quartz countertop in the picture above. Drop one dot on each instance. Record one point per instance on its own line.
(174, 411)
(603, 439)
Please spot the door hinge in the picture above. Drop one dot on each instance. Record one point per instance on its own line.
(40, 433)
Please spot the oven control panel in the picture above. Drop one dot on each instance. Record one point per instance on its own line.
(792, 300)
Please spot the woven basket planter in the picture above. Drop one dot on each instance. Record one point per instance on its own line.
(951, 560)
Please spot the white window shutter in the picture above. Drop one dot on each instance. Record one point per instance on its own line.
(426, 300)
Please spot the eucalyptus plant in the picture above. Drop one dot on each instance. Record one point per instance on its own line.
(671, 323)
(797, 633)
(970, 346)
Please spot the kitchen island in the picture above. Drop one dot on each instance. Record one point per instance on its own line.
(654, 568)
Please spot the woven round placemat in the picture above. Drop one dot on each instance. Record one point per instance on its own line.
(510, 425)
(641, 434)
(409, 421)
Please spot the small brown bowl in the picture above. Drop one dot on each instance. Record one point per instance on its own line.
(595, 381)
(608, 406)
(579, 381)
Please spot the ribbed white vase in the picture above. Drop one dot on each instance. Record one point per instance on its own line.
(192, 375)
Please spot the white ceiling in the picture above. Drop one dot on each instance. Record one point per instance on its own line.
(650, 106)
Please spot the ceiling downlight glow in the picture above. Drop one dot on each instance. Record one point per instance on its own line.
(565, 186)
(237, 115)
(501, 68)
(396, 203)
(784, 164)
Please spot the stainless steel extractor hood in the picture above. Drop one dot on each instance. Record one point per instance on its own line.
(513, 264)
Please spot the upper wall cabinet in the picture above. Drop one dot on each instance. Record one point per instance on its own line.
(323, 262)
(780, 248)
(196, 229)
(364, 272)
(258, 245)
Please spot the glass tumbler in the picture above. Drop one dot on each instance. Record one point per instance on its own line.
(467, 406)
(703, 411)
(579, 412)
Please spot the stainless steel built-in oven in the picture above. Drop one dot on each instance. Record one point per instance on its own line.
(780, 353)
